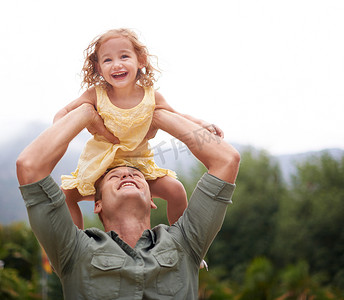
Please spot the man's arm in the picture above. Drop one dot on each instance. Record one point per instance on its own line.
(89, 96)
(204, 216)
(39, 158)
(221, 159)
(48, 215)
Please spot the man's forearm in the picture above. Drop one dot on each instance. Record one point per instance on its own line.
(41, 156)
(220, 158)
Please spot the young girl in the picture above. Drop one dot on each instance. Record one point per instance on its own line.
(119, 78)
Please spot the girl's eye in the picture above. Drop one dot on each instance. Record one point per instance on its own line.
(107, 60)
(124, 56)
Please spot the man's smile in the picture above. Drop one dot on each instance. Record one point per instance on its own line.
(127, 184)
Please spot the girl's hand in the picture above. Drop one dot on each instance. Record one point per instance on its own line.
(212, 128)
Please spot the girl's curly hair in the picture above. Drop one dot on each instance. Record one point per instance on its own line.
(90, 75)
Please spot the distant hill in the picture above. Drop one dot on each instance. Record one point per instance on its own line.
(288, 163)
(169, 154)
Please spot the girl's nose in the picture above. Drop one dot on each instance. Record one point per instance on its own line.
(117, 65)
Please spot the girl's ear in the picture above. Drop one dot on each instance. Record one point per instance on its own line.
(143, 61)
(99, 70)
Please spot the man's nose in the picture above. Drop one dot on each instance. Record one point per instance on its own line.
(126, 174)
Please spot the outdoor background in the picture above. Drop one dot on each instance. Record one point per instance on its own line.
(269, 73)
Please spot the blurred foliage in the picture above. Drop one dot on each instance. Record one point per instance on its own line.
(19, 255)
(278, 241)
(13, 286)
(311, 223)
(249, 228)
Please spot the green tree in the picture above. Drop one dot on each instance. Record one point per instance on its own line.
(259, 280)
(19, 248)
(296, 282)
(13, 286)
(311, 222)
(249, 227)
(19, 252)
(212, 288)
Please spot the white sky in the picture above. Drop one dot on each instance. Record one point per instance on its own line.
(269, 73)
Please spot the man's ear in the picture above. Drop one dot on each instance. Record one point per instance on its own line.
(97, 207)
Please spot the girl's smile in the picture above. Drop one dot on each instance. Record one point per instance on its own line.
(119, 75)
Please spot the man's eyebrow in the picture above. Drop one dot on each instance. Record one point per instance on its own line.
(137, 169)
(132, 169)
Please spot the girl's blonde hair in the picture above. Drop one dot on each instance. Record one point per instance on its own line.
(90, 74)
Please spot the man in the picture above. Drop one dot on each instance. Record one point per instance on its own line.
(130, 260)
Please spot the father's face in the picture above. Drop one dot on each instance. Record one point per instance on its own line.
(124, 186)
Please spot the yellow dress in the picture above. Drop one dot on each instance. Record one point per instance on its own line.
(130, 126)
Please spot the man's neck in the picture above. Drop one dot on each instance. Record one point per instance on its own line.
(128, 229)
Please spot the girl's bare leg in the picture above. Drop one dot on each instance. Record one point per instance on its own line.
(72, 199)
(173, 192)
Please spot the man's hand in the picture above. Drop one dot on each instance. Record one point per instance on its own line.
(97, 127)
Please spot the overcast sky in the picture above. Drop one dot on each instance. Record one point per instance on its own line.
(269, 73)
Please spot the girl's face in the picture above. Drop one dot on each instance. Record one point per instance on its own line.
(118, 62)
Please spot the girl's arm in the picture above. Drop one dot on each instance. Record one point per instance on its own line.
(88, 97)
(221, 159)
(162, 104)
